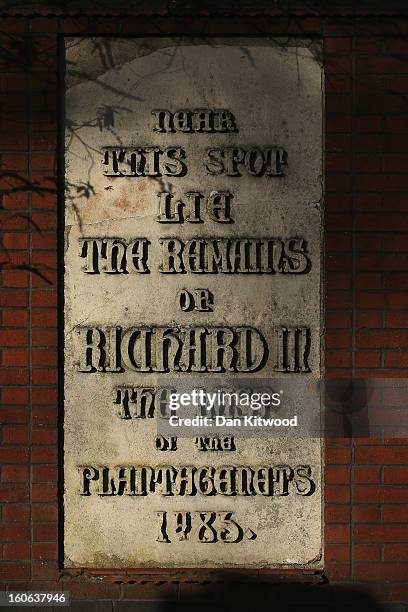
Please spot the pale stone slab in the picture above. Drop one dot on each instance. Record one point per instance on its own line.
(274, 90)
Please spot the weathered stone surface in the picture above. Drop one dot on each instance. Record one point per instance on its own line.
(274, 91)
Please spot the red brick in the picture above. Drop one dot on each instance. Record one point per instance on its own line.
(338, 221)
(45, 532)
(44, 493)
(338, 183)
(44, 512)
(337, 456)
(12, 414)
(369, 201)
(395, 163)
(396, 552)
(395, 202)
(369, 84)
(397, 300)
(336, 514)
(381, 64)
(397, 319)
(338, 299)
(90, 591)
(15, 337)
(338, 102)
(366, 513)
(368, 493)
(14, 318)
(13, 454)
(339, 83)
(396, 123)
(44, 376)
(337, 203)
(17, 201)
(337, 64)
(396, 281)
(367, 552)
(389, 222)
(366, 475)
(44, 259)
(15, 357)
(338, 339)
(13, 298)
(44, 241)
(14, 571)
(337, 359)
(396, 45)
(337, 494)
(45, 551)
(13, 376)
(14, 492)
(376, 101)
(399, 592)
(337, 475)
(44, 415)
(369, 123)
(396, 475)
(339, 280)
(44, 454)
(44, 337)
(43, 201)
(10, 532)
(17, 434)
(13, 260)
(45, 317)
(369, 319)
(44, 24)
(337, 552)
(45, 570)
(381, 455)
(368, 45)
(16, 552)
(382, 339)
(369, 242)
(16, 513)
(44, 220)
(381, 533)
(337, 533)
(371, 299)
(15, 162)
(368, 359)
(44, 298)
(338, 320)
(14, 141)
(368, 280)
(74, 24)
(13, 221)
(395, 513)
(381, 571)
(45, 473)
(14, 473)
(15, 241)
(368, 163)
(337, 572)
(46, 141)
(44, 357)
(338, 163)
(338, 241)
(337, 45)
(395, 243)
(385, 261)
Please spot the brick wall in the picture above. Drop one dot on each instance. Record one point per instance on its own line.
(366, 490)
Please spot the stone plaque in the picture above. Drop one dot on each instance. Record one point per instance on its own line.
(193, 243)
